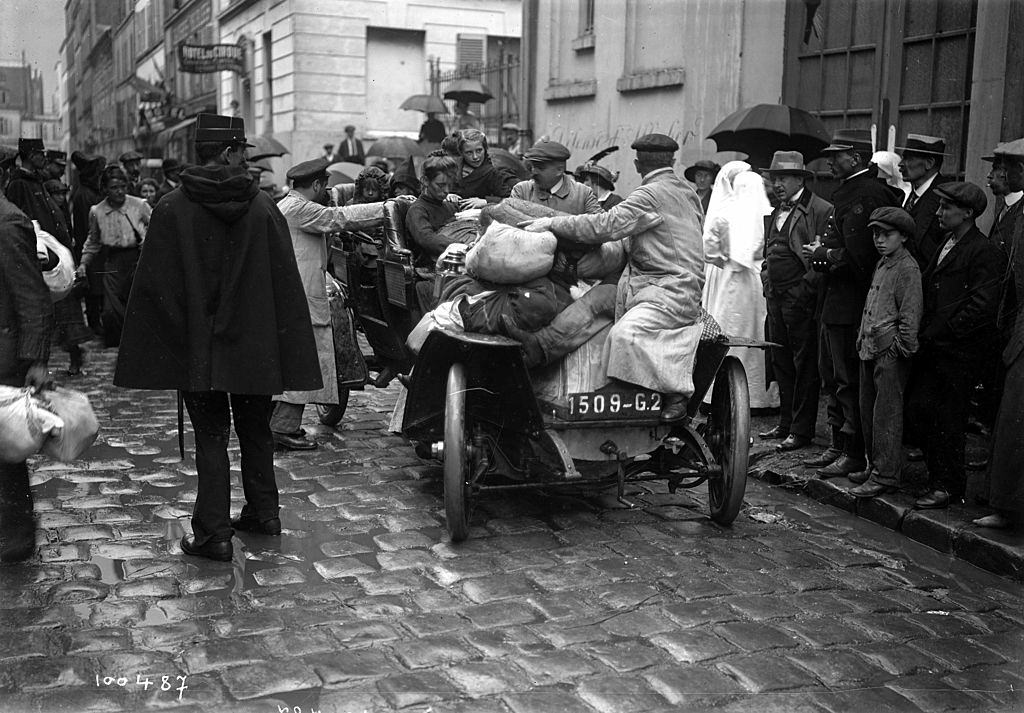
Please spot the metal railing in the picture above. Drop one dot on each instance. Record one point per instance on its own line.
(502, 78)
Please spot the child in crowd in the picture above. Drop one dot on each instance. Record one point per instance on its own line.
(885, 343)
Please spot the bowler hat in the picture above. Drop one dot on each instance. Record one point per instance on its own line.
(789, 162)
(965, 195)
(925, 145)
(655, 143)
(1009, 149)
(220, 128)
(312, 169)
(703, 165)
(895, 218)
(170, 164)
(129, 156)
(850, 140)
(88, 163)
(27, 147)
(545, 150)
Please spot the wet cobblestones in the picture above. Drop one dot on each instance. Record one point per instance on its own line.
(554, 604)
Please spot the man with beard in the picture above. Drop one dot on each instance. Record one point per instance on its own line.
(847, 257)
(218, 313)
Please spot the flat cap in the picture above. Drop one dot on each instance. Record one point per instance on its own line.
(966, 195)
(690, 174)
(850, 140)
(545, 150)
(170, 164)
(86, 162)
(129, 156)
(1013, 149)
(894, 218)
(314, 168)
(60, 157)
(27, 147)
(655, 143)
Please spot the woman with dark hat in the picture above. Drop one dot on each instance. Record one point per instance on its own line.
(703, 174)
(602, 182)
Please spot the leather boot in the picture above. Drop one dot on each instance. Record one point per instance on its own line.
(830, 455)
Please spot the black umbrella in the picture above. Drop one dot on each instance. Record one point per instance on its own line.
(761, 130)
(471, 91)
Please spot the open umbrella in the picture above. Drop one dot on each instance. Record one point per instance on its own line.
(427, 103)
(265, 147)
(395, 147)
(343, 172)
(471, 91)
(761, 130)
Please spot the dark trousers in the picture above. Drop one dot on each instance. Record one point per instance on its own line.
(17, 524)
(883, 383)
(211, 421)
(119, 272)
(791, 324)
(840, 377)
(940, 396)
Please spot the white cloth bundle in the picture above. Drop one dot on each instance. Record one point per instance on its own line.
(59, 422)
(506, 255)
(61, 278)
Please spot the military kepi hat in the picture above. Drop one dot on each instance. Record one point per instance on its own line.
(58, 157)
(655, 143)
(220, 128)
(850, 140)
(545, 150)
(789, 162)
(307, 170)
(27, 147)
(925, 145)
(894, 218)
(965, 195)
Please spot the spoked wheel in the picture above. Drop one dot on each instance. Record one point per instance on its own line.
(457, 461)
(728, 436)
(331, 414)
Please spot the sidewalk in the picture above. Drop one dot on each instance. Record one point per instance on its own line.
(948, 531)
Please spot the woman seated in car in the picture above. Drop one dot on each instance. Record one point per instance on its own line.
(478, 181)
(435, 208)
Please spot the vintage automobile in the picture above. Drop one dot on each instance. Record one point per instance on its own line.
(473, 406)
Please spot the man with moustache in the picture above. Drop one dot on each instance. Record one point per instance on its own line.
(846, 256)
(920, 166)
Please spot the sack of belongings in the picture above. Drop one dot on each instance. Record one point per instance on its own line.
(60, 422)
(506, 255)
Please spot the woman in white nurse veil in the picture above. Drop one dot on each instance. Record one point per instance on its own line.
(733, 243)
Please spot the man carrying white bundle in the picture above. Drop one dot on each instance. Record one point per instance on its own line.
(654, 339)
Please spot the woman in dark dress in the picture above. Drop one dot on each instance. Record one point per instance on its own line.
(478, 181)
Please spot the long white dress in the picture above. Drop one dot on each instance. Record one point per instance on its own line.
(733, 294)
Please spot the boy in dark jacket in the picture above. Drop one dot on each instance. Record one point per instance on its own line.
(885, 342)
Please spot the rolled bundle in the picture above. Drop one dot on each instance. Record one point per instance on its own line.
(506, 255)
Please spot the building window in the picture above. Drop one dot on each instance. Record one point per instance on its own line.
(268, 83)
(587, 17)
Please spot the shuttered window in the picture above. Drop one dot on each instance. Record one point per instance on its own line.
(469, 51)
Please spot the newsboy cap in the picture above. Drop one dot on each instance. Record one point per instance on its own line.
(545, 150)
(894, 218)
(27, 147)
(924, 145)
(655, 143)
(791, 162)
(312, 169)
(850, 140)
(129, 156)
(1009, 149)
(965, 195)
(703, 165)
(88, 163)
(220, 128)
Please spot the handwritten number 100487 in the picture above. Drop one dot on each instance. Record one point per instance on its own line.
(165, 683)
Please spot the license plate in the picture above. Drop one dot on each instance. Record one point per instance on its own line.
(613, 403)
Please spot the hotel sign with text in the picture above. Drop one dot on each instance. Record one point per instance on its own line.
(200, 59)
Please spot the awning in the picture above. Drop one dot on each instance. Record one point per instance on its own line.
(167, 134)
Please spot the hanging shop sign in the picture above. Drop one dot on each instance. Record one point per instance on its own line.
(201, 59)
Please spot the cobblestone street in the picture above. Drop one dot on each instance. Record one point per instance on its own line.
(568, 604)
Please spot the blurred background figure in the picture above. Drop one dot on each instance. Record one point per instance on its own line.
(149, 191)
(351, 148)
(432, 131)
(329, 153)
(703, 174)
